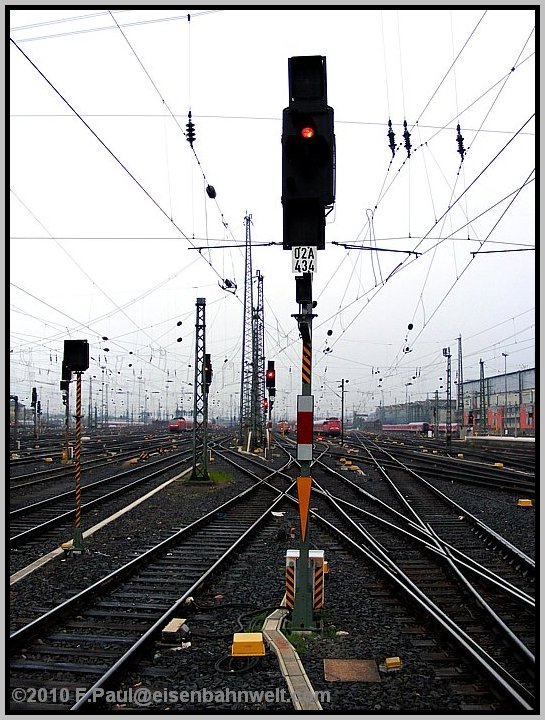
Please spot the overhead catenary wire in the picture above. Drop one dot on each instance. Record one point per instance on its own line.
(102, 28)
(338, 121)
(117, 308)
(190, 136)
(449, 290)
(113, 155)
(355, 279)
(409, 261)
(80, 268)
(506, 79)
(383, 192)
(451, 67)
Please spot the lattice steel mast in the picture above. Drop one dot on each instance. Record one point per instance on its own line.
(482, 399)
(246, 373)
(448, 430)
(460, 387)
(200, 398)
(258, 367)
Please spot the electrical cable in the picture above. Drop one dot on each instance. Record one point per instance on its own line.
(451, 67)
(463, 271)
(105, 27)
(382, 193)
(114, 156)
(91, 280)
(207, 184)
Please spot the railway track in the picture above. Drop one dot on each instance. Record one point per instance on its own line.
(521, 458)
(468, 596)
(453, 565)
(456, 469)
(41, 527)
(115, 448)
(88, 641)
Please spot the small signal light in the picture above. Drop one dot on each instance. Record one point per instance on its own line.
(307, 132)
(270, 375)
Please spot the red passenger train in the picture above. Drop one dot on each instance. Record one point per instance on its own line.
(330, 427)
(414, 427)
(180, 425)
(283, 427)
(419, 427)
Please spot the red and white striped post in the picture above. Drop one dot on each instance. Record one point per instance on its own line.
(305, 420)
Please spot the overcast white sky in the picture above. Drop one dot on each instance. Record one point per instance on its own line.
(94, 254)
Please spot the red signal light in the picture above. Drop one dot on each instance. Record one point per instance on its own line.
(307, 132)
(270, 375)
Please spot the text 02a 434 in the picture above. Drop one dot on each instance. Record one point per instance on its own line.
(303, 259)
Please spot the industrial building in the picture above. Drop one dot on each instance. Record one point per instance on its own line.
(508, 401)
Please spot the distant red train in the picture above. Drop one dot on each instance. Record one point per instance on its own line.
(283, 427)
(330, 427)
(419, 427)
(415, 427)
(180, 425)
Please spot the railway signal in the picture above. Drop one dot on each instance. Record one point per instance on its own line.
(76, 356)
(75, 359)
(270, 375)
(270, 384)
(207, 371)
(308, 154)
(308, 189)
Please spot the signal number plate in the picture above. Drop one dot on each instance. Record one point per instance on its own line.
(304, 259)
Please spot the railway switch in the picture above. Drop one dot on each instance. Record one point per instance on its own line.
(248, 644)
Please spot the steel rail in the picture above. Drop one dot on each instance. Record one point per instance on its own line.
(482, 526)
(67, 473)
(27, 632)
(129, 656)
(16, 540)
(499, 675)
(459, 557)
